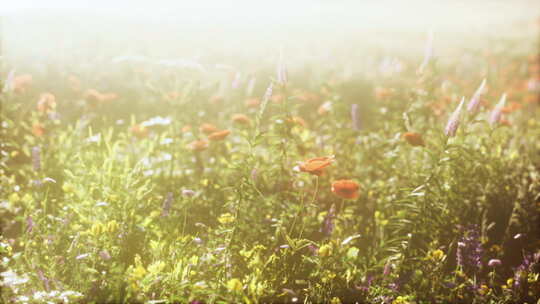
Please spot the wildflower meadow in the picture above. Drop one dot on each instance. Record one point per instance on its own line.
(386, 176)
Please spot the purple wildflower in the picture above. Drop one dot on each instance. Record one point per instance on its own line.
(104, 254)
(282, 71)
(36, 158)
(469, 251)
(472, 107)
(453, 121)
(328, 222)
(313, 249)
(495, 115)
(354, 117)
(268, 93)
(188, 192)
(265, 99)
(29, 224)
(494, 263)
(236, 81)
(366, 284)
(387, 269)
(167, 204)
(251, 86)
(43, 279)
(8, 84)
(428, 53)
(254, 174)
(522, 271)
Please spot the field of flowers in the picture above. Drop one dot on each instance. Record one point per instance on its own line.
(138, 180)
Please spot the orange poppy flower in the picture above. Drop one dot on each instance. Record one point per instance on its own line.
(198, 145)
(298, 120)
(505, 122)
(216, 99)
(277, 98)
(306, 96)
(20, 83)
(74, 83)
(346, 188)
(139, 131)
(186, 128)
(207, 128)
(108, 96)
(252, 102)
(383, 93)
(38, 129)
(46, 103)
(95, 97)
(219, 135)
(241, 119)
(92, 95)
(414, 139)
(513, 106)
(316, 165)
(171, 96)
(531, 98)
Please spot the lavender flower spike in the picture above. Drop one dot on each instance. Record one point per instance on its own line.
(36, 158)
(453, 121)
(495, 115)
(428, 53)
(354, 117)
(281, 70)
(8, 84)
(472, 107)
(167, 204)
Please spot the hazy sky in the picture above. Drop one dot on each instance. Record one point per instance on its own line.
(368, 13)
(237, 24)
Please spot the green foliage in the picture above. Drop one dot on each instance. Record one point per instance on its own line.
(112, 205)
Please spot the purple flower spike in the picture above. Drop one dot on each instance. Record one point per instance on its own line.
(251, 86)
(167, 204)
(268, 93)
(236, 81)
(104, 254)
(354, 117)
(282, 70)
(469, 251)
(29, 224)
(188, 192)
(453, 121)
(495, 115)
(328, 222)
(472, 107)
(428, 53)
(36, 158)
(387, 269)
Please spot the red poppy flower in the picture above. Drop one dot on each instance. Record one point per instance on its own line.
(219, 135)
(207, 128)
(346, 188)
(241, 119)
(139, 132)
(38, 129)
(198, 145)
(46, 103)
(414, 139)
(316, 165)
